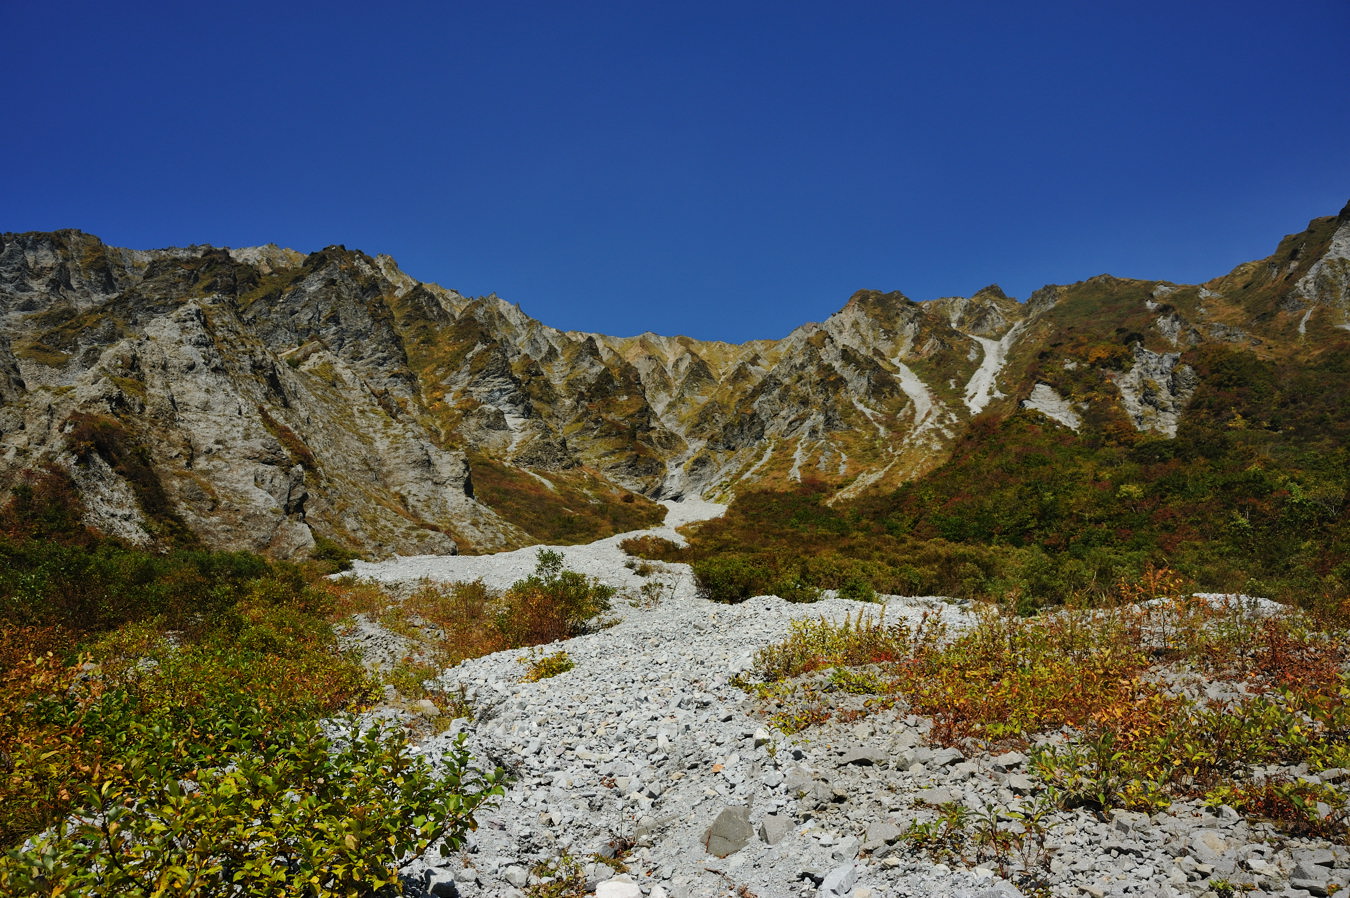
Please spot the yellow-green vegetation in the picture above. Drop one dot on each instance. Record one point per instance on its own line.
(449, 623)
(158, 725)
(578, 507)
(546, 666)
(559, 877)
(960, 835)
(564, 876)
(1135, 686)
(37, 351)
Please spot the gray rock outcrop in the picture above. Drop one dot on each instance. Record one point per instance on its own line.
(1156, 389)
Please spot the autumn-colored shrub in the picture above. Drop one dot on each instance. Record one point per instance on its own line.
(561, 507)
(652, 548)
(62, 723)
(44, 505)
(551, 604)
(1129, 684)
(465, 614)
(178, 752)
(547, 666)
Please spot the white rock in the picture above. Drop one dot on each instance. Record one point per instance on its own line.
(621, 886)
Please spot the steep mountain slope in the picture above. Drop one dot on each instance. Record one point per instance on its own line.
(155, 380)
(264, 399)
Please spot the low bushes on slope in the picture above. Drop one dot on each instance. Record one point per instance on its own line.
(222, 800)
(158, 729)
(453, 622)
(566, 508)
(1134, 687)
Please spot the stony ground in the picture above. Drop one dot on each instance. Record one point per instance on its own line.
(647, 755)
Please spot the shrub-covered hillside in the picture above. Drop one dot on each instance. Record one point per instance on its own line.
(1250, 496)
(159, 725)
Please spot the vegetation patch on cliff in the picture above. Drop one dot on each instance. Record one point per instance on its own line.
(561, 508)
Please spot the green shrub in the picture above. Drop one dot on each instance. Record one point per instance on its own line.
(731, 578)
(61, 724)
(552, 603)
(549, 666)
(857, 589)
(332, 556)
(303, 815)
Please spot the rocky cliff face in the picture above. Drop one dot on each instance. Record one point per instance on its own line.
(265, 399)
(183, 390)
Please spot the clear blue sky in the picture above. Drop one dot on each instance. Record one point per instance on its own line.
(726, 170)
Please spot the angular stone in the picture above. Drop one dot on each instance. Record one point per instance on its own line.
(1129, 821)
(905, 740)
(937, 796)
(945, 757)
(730, 832)
(1207, 846)
(798, 781)
(1315, 886)
(839, 881)
(1010, 760)
(880, 834)
(1315, 857)
(441, 884)
(846, 850)
(864, 756)
(775, 827)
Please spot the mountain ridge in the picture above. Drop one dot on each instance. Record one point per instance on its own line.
(283, 399)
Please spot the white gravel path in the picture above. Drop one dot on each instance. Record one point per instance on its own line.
(602, 559)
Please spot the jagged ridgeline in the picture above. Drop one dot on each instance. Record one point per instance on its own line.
(267, 400)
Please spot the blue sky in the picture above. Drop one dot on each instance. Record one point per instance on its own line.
(725, 170)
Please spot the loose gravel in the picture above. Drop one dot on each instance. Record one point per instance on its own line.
(645, 752)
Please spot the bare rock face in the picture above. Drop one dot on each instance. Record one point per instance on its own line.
(231, 438)
(1155, 391)
(11, 381)
(1045, 400)
(1327, 281)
